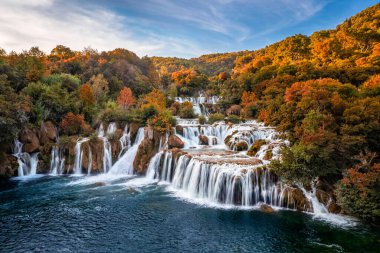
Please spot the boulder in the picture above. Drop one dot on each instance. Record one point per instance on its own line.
(241, 145)
(30, 139)
(203, 139)
(8, 166)
(179, 129)
(48, 132)
(147, 149)
(175, 142)
(95, 146)
(266, 208)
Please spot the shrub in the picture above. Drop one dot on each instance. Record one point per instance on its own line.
(233, 119)
(162, 122)
(74, 124)
(186, 110)
(358, 192)
(256, 147)
(202, 120)
(215, 117)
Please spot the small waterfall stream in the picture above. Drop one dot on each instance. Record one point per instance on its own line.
(27, 162)
(125, 164)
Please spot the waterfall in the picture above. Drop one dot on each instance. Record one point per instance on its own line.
(107, 152)
(199, 103)
(27, 162)
(125, 164)
(78, 156)
(125, 141)
(222, 183)
(154, 163)
(215, 134)
(318, 207)
(57, 161)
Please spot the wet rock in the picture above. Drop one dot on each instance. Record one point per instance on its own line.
(147, 149)
(266, 208)
(98, 184)
(29, 137)
(234, 110)
(241, 146)
(203, 139)
(179, 129)
(48, 133)
(332, 207)
(8, 166)
(175, 142)
(95, 146)
(134, 128)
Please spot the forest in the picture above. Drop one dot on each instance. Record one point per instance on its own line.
(321, 91)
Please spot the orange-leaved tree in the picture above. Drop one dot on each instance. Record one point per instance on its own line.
(74, 124)
(126, 98)
(87, 95)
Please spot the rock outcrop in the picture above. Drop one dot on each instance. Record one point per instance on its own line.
(175, 142)
(147, 149)
(203, 139)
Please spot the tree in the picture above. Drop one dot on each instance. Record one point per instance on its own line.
(74, 124)
(87, 95)
(156, 99)
(126, 98)
(100, 88)
(358, 191)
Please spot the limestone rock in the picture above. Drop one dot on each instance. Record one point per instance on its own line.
(175, 142)
(203, 139)
(30, 139)
(266, 208)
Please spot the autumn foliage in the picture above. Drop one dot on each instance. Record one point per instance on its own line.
(126, 98)
(74, 124)
(87, 95)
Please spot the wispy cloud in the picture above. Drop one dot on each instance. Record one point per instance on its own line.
(48, 23)
(150, 27)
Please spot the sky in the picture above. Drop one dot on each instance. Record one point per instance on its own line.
(180, 28)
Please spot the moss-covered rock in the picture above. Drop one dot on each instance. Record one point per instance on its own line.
(256, 147)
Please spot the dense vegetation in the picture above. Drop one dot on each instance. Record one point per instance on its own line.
(321, 90)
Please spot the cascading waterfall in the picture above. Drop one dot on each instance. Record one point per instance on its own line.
(125, 141)
(215, 134)
(27, 162)
(199, 103)
(57, 161)
(107, 152)
(125, 164)
(318, 207)
(223, 183)
(78, 156)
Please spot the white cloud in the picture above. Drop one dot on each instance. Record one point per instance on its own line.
(48, 23)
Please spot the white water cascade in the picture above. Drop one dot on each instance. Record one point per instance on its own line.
(27, 162)
(201, 177)
(78, 156)
(125, 164)
(107, 152)
(57, 161)
(199, 103)
(125, 141)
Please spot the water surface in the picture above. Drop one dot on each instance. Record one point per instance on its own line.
(54, 214)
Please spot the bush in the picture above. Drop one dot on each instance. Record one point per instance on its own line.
(358, 192)
(186, 110)
(162, 122)
(148, 113)
(215, 117)
(202, 120)
(256, 147)
(74, 124)
(233, 119)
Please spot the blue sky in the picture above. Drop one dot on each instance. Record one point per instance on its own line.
(181, 28)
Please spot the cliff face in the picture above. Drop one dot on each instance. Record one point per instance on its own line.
(147, 149)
